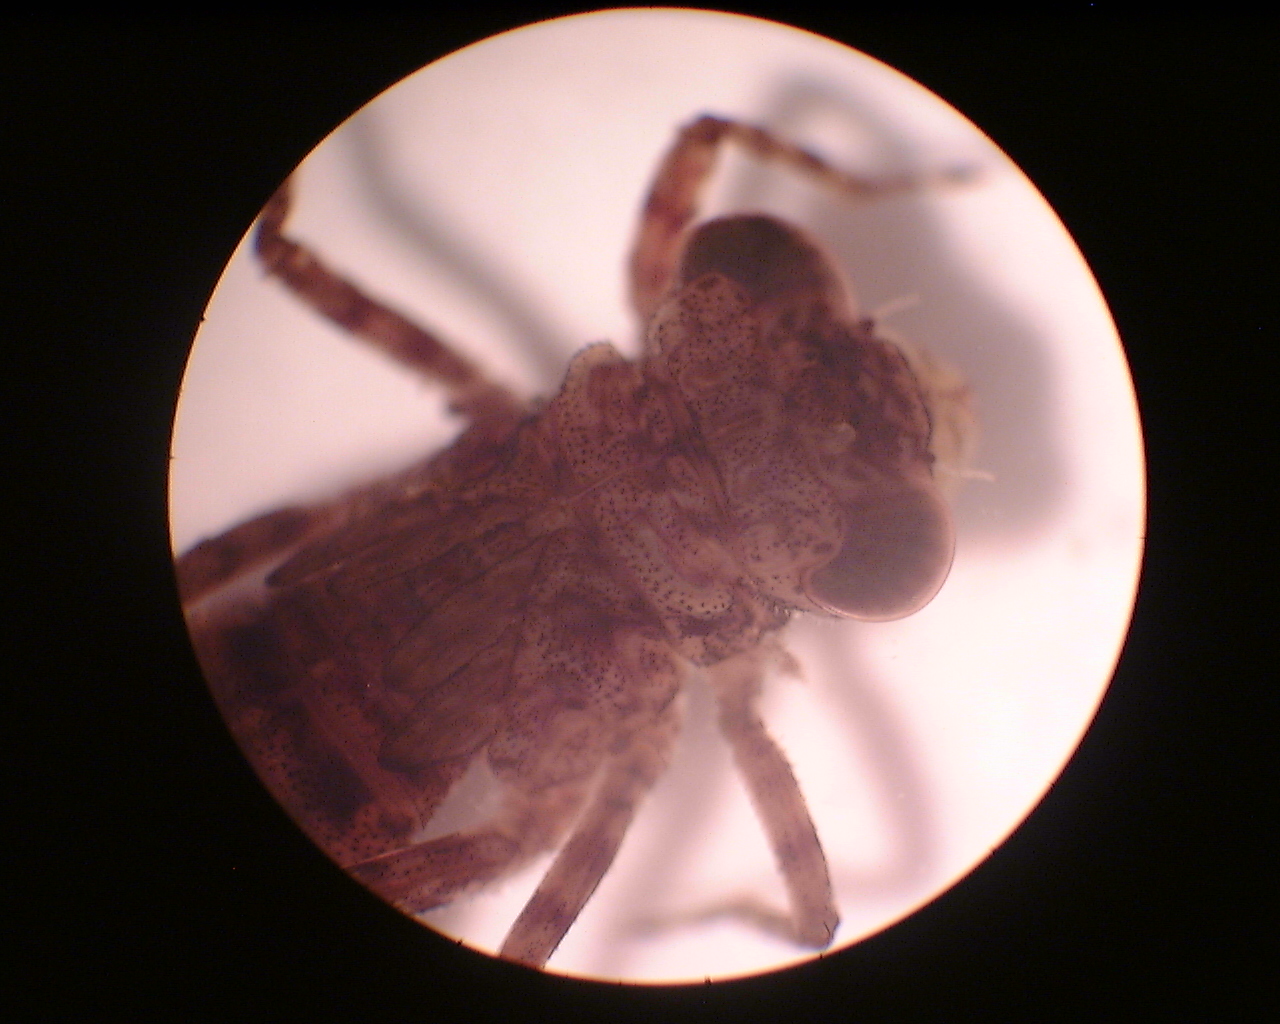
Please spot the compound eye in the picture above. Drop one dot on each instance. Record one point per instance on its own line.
(897, 553)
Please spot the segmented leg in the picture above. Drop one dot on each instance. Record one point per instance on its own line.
(432, 873)
(214, 562)
(674, 196)
(337, 299)
(777, 798)
(590, 851)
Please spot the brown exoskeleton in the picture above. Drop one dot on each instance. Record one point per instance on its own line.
(537, 594)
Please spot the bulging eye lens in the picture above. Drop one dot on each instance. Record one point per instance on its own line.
(897, 553)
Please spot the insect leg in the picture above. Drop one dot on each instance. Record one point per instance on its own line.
(339, 300)
(777, 799)
(673, 200)
(430, 874)
(590, 851)
(239, 551)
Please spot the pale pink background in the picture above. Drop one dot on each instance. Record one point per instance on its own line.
(493, 196)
